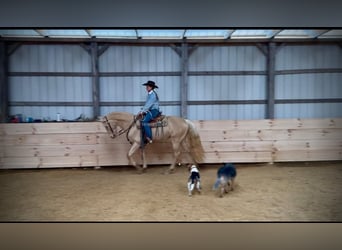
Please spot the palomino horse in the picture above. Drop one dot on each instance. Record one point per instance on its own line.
(181, 133)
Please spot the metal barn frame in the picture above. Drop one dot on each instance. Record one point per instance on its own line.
(183, 47)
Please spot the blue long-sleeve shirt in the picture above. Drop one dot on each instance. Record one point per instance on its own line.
(152, 102)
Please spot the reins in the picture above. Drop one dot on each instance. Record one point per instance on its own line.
(121, 131)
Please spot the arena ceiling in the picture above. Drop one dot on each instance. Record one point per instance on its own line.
(227, 34)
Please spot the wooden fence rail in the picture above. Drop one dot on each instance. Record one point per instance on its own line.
(86, 144)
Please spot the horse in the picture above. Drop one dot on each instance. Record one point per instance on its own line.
(181, 132)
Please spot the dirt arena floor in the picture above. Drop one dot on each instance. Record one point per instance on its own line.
(264, 192)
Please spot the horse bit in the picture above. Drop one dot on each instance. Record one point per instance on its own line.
(122, 131)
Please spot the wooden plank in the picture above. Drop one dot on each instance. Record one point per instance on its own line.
(307, 155)
(242, 157)
(48, 162)
(51, 139)
(97, 127)
(306, 123)
(255, 146)
(219, 157)
(106, 139)
(19, 162)
(267, 134)
(241, 146)
(65, 150)
(232, 124)
(156, 148)
(268, 124)
(88, 144)
(307, 145)
(51, 128)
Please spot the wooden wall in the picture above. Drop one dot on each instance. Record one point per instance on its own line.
(86, 144)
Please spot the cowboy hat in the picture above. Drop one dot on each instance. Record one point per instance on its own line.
(151, 84)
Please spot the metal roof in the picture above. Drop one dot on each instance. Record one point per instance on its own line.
(174, 33)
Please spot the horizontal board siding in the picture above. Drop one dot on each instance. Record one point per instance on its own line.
(87, 144)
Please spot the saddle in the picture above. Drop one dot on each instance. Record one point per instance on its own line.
(159, 121)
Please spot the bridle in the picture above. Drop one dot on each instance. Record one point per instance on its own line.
(122, 131)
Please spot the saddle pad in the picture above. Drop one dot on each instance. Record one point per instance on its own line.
(160, 121)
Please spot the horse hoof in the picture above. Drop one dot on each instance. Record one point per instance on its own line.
(169, 171)
(140, 170)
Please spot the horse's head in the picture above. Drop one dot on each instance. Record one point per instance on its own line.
(111, 127)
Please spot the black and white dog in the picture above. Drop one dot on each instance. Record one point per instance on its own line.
(194, 179)
(225, 179)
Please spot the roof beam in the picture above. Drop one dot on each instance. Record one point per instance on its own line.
(88, 32)
(13, 48)
(316, 33)
(228, 34)
(41, 32)
(274, 33)
(48, 40)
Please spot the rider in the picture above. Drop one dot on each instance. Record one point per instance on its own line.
(150, 109)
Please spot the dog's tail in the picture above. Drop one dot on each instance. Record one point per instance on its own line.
(216, 184)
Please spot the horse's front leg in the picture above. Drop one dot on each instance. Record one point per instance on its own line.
(130, 154)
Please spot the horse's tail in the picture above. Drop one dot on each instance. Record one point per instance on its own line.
(194, 143)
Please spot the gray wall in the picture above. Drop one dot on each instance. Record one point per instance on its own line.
(139, 59)
(130, 66)
(50, 58)
(308, 85)
(227, 87)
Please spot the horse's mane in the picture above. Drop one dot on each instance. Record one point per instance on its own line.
(120, 116)
(122, 119)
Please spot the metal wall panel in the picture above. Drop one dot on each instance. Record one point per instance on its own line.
(129, 88)
(210, 58)
(308, 85)
(224, 87)
(309, 110)
(50, 58)
(309, 57)
(206, 88)
(54, 89)
(226, 112)
(144, 59)
(166, 110)
(139, 59)
(50, 112)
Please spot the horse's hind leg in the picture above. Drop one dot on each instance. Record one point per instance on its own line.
(176, 153)
(130, 154)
